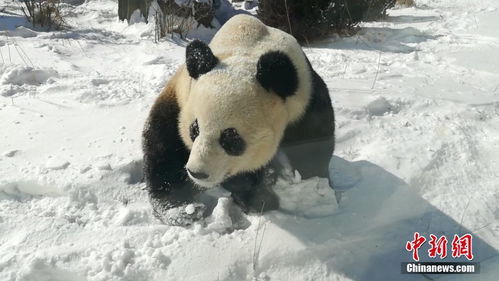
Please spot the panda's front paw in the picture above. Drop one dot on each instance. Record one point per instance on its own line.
(263, 200)
(270, 176)
(183, 215)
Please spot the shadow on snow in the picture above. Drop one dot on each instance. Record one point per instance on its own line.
(366, 238)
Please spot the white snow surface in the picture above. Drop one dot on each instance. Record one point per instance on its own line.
(417, 149)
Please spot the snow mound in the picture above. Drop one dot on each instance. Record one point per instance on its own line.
(23, 32)
(25, 190)
(21, 75)
(343, 174)
(43, 270)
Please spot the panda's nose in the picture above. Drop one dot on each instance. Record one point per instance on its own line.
(198, 175)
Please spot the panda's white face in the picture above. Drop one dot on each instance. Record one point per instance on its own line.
(231, 125)
(237, 99)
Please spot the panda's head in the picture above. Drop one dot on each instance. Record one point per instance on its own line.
(236, 111)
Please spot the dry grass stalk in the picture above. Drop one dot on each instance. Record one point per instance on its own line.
(43, 13)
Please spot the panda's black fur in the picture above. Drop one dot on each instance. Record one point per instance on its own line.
(276, 72)
(199, 59)
(308, 143)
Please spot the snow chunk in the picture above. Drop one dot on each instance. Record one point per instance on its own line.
(10, 153)
(103, 166)
(56, 164)
(128, 216)
(85, 169)
(220, 220)
(379, 107)
(82, 196)
(21, 75)
(190, 209)
(99, 81)
(310, 198)
(10, 90)
(160, 259)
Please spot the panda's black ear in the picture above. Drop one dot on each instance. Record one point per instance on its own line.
(199, 59)
(276, 72)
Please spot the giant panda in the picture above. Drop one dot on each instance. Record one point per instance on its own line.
(237, 113)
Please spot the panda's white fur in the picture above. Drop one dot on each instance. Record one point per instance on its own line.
(245, 38)
(229, 96)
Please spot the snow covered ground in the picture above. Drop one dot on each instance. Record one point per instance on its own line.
(417, 105)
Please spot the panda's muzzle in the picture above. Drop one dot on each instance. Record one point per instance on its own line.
(197, 175)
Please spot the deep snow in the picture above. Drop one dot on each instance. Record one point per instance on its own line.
(417, 106)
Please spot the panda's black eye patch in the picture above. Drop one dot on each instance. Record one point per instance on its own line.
(231, 142)
(194, 130)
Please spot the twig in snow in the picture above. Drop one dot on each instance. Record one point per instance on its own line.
(1, 55)
(81, 48)
(261, 240)
(345, 69)
(480, 228)
(377, 70)
(8, 48)
(379, 64)
(26, 55)
(256, 252)
(367, 44)
(22, 54)
(464, 213)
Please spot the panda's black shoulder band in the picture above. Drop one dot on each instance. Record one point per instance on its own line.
(276, 72)
(199, 59)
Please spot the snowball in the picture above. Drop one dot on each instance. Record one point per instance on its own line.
(190, 209)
